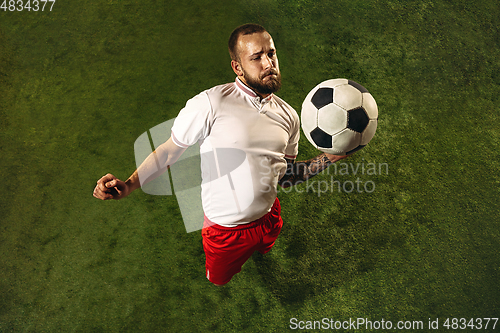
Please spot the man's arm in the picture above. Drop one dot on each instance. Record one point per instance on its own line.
(298, 172)
(110, 187)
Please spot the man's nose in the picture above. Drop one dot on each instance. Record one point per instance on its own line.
(268, 62)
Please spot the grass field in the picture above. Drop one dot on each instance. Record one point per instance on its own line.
(80, 83)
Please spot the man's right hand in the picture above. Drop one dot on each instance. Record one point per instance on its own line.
(110, 187)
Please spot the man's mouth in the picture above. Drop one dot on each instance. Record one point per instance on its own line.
(269, 76)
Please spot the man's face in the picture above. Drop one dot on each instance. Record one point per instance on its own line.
(258, 66)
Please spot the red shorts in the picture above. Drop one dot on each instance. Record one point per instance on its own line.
(227, 249)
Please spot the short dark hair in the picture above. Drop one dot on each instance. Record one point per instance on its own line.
(245, 29)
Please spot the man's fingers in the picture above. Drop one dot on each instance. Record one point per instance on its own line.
(102, 187)
(110, 184)
(106, 178)
(335, 158)
(115, 186)
(105, 188)
(120, 185)
(99, 194)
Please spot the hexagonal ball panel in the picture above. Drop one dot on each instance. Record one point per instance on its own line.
(357, 119)
(347, 97)
(322, 97)
(322, 139)
(332, 119)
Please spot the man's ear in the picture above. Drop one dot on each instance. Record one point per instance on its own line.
(236, 67)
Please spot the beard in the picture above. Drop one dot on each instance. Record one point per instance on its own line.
(272, 85)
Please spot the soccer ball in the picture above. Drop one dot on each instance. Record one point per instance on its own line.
(339, 116)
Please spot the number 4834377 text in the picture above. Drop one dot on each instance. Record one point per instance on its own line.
(29, 5)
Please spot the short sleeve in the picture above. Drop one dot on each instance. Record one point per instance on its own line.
(193, 122)
(292, 148)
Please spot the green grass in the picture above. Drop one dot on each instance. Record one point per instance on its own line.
(79, 84)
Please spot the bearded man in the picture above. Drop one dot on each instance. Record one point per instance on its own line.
(244, 116)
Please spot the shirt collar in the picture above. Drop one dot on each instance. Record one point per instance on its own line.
(250, 92)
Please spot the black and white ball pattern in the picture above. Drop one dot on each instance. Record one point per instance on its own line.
(339, 116)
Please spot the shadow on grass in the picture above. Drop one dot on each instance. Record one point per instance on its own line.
(290, 287)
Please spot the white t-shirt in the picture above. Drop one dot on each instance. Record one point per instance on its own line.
(243, 144)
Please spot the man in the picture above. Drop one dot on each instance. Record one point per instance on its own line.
(247, 117)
